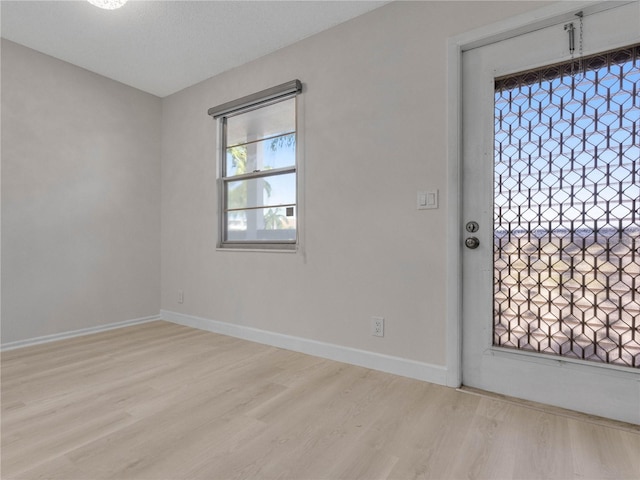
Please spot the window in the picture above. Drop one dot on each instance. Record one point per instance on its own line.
(257, 165)
(567, 216)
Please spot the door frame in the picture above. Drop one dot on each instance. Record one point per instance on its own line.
(502, 30)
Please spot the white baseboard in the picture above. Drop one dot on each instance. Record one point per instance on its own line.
(375, 361)
(75, 333)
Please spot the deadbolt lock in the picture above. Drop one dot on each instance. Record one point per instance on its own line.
(472, 227)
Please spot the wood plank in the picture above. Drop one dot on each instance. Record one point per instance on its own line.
(166, 401)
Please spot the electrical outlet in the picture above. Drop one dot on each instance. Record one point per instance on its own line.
(377, 326)
(180, 296)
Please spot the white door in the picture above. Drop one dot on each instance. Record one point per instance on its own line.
(550, 174)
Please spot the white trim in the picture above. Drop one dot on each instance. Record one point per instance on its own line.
(454, 220)
(557, 13)
(518, 25)
(629, 373)
(75, 333)
(375, 361)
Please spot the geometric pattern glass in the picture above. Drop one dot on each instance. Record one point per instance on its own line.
(567, 209)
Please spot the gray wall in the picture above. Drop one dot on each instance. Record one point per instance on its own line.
(374, 133)
(82, 183)
(80, 198)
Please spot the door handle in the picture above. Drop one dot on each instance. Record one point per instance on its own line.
(472, 243)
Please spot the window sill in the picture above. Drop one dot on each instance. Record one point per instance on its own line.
(293, 249)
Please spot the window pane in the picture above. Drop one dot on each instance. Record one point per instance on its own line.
(567, 228)
(264, 122)
(263, 224)
(267, 154)
(259, 192)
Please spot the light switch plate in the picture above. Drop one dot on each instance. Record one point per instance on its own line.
(427, 200)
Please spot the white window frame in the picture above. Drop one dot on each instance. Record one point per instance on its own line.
(242, 105)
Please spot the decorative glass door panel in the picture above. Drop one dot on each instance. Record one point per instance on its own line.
(567, 209)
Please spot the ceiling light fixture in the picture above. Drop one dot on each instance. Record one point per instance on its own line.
(108, 4)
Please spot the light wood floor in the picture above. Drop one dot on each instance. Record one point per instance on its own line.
(162, 401)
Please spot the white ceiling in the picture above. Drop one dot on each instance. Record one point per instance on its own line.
(164, 46)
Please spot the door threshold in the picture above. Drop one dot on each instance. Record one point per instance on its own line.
(563, 412)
